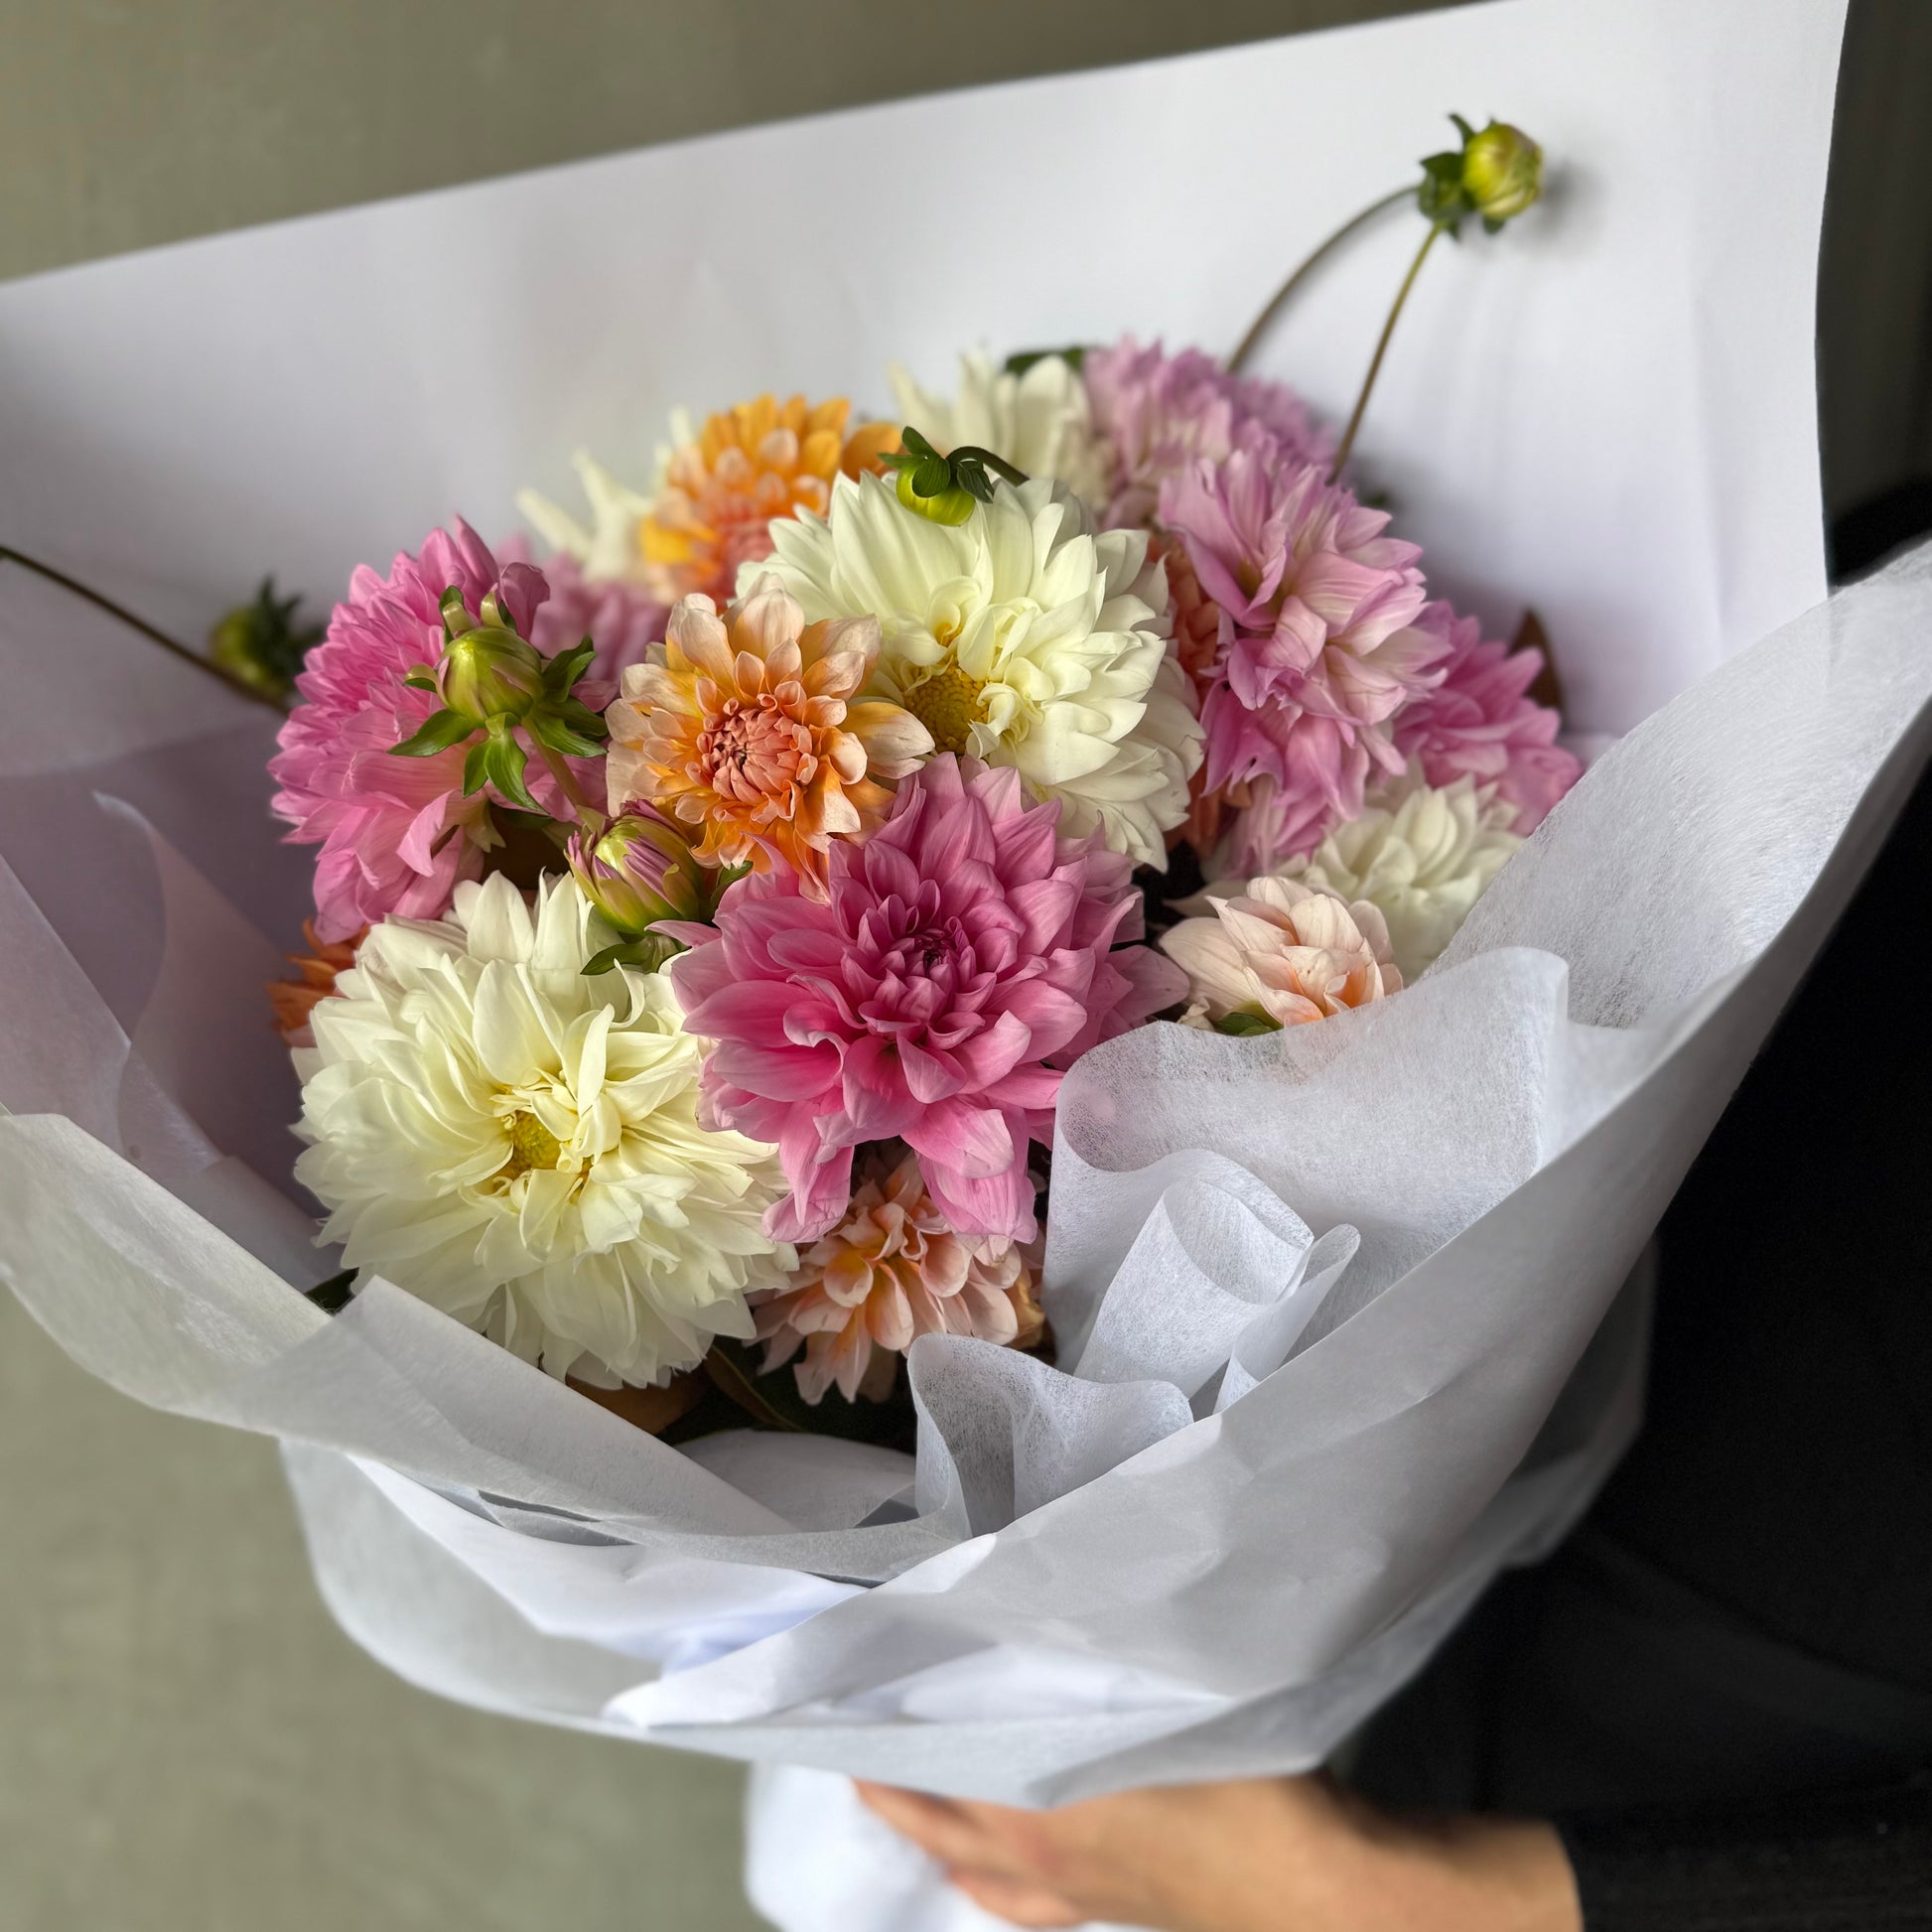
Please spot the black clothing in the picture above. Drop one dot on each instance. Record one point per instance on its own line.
(1723, 1688)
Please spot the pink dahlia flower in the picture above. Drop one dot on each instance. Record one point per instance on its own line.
(1325, 648)
(1162, 412)
(1481, 721)
(396, 833)
(891, 1271)
(618, 617)
(965, 957)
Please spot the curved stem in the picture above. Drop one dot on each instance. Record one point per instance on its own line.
(1285, 294)
(997, 464)
(76, 588)
(1381, 349)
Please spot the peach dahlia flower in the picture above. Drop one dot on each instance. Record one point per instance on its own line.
(892, 1269)
(748, 730)
(723, 487)
(1280, 951)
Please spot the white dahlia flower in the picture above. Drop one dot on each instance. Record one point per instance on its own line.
(1040, 422)
(520, 1145)
(1422, 856)
(607, 549)
(1020, 636)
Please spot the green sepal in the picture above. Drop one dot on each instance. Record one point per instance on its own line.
(437, 733)
(456, 619)
(501, 766)
(563, 670)
(419, 677)
(551, 732)
(1243, 1026)
(648, 954)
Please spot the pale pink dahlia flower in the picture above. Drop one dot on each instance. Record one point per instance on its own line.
(396, 833)
(1324, 648)
(1481, 721)
(892, 1269)
(1282, 954)
(965, 957)
(1158, 413)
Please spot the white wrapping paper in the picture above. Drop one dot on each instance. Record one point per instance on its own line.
(1326, 1299)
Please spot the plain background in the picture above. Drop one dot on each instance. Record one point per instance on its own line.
(326, 1794)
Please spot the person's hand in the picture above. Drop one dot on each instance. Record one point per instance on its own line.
(1261, 1855)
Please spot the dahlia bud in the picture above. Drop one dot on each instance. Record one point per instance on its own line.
(948, 505)
(638, 871)
(488, 671)
(1496, 173)
(1502, 172)
(261, 643)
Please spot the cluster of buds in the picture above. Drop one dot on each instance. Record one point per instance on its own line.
(494, 684)
(1495, 174)
(639, 874)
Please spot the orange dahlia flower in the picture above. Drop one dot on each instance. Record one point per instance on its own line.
(748, 730)
(748, 464)
(294, 1001)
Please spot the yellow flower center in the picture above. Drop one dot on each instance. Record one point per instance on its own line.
(948, 705)
(532, 1145)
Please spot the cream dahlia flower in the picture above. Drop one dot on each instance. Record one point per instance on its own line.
(1041, 422)
(1019, 637)
(606, 548)
(1421, 856)
(1280, 954)
(520, 1145)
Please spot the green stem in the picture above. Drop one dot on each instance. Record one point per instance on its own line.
(74, 587)
(588, 815)
(997, 464)
(1381, 349)
(1285, 293)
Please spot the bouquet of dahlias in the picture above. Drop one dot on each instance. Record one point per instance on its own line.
(983, 1082)
(713, 935)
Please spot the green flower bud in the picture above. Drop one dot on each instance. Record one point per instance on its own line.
(488, 671)
(1495, 174)
(638, 871)
(951, 505)
(261, 643)
(1502, 172)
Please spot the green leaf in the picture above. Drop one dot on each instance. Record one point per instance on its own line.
(919, 446)
(476, 767)
(1244, 1025)
(933, 476)
(974, 479)
(419, 677)
(437, 733)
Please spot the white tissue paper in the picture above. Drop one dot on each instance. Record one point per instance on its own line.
(1338, 1310)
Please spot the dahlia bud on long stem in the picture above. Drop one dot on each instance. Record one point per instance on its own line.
(1495, 174)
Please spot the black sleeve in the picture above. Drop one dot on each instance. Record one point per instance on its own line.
(1851, 1862)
